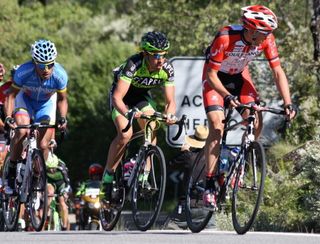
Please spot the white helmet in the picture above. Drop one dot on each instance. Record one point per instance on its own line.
(44, 51)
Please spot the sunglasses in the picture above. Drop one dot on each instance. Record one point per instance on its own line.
(43, 66)
(157, 55)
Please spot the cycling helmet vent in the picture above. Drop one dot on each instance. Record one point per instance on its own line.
(154, 42)
(260, 18)
(43, 51)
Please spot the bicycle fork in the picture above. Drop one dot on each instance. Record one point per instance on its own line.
(25, 186)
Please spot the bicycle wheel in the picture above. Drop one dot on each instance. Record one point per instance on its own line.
(38, 195)
(248, 188)
(109, 213)
(149, 188)
(197, 216)
(10, 203)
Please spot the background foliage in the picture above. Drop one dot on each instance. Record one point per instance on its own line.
(93, 37)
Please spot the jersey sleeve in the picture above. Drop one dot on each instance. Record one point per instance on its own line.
(168, 68)
(271, 51)
(128, 70)
(61, 79)
(216, 52)
(18, 78)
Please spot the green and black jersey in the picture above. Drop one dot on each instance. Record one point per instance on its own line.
(135, 72)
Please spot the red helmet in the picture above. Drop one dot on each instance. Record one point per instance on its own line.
(260, 18)
(95, 169)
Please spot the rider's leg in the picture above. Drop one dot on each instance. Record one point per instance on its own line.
(249, 95)
(212, 147)
(116, 151)
(45, 135)
(214, 107)
(64, 213)
(148, 111)
(21, 118)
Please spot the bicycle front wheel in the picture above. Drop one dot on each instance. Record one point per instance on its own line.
(197, 216)
(10, 203)
(109, 213)
(38, 196)
(248, 188)
(149, 188)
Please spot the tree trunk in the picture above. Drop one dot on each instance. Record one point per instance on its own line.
(315, 29)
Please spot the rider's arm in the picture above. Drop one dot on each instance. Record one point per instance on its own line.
(9, 102)
(214, 81)
(62, 103)
(170, 107)
(118, 95)
(282, 84)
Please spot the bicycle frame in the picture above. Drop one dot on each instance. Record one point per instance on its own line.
(29, 145)
(248, 137)
(147, 134)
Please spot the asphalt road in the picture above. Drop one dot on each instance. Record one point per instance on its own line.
(156, 237)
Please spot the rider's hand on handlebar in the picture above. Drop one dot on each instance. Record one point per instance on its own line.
(171, 118)
(62, 123)
(10, 122)
(138, 114)
(231, 101)
(291, 111)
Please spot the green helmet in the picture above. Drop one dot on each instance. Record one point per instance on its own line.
(52, 161)
(154, 42)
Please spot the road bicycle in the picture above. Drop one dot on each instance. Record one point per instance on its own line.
(146, 185)
(33, 189)
(244, 179)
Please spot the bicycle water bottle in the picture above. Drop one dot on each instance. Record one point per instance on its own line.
(224, 158)
(128, 166)
(234, 154)
(20, 172)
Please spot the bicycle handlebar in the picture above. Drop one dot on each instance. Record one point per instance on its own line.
(258, 108)
(34, 126)
(156, 116)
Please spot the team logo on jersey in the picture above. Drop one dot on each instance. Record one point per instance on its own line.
(129, 74)
(169, 68)
(217, 51)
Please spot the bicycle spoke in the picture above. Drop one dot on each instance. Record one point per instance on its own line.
(197, 216)
(38, 196)
(248, 188)
(109, 213)
(10, 203)
(149, 187)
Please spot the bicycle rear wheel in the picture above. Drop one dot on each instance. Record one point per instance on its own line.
(149, 188)
(197, 216)
(38, 196)
(109, 213)
(10, 203)
(248, 188)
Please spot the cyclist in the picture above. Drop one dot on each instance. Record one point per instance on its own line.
(95, 172)
(59, 184)
(132, 82)
(3, 94)
(226, 79)
(39, 86)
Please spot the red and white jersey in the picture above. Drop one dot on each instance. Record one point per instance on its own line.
(230, 53)
(4, 91)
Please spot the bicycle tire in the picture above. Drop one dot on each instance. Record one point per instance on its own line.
(148, 188)
(10, 203)
(109, 214)
(246, 195)
(197, 217)
(37, 200)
